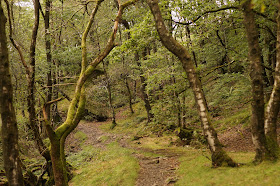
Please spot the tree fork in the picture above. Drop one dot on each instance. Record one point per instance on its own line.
(77, 105)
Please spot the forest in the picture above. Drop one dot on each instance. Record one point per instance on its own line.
(139, 92)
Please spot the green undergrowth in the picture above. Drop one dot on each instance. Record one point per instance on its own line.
(81, 136)
(195, 169)
(240, 117)
(130, 123)
(111, 166)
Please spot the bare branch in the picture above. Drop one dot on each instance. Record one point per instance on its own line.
(215, 68)
(207, 12)
(14, 43)
(221, 9)
(264, 16)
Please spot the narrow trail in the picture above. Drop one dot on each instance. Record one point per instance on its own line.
(154, 171)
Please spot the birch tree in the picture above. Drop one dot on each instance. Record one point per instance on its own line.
(219, 156)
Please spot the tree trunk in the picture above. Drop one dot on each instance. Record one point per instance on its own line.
(190, 45)
(125, 23)
(143, 85)
(9, 124)
(109, 90)
(177, 101)
(273, 105)
(57, 162)
(184, 111)
(219, 156)
(257, 104)
(30, 73)
(129, 94)
(271, 60)
(77, 105)
(48, 54)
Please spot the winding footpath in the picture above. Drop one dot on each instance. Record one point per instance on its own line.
(154, 171)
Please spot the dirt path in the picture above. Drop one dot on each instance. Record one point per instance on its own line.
(154, 171)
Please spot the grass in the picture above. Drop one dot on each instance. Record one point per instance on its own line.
(81, 136)
(195, 169)
(156, 143)
(113, 166)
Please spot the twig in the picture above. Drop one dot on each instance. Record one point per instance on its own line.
(207, 12)
(219, 67)
(55, 85)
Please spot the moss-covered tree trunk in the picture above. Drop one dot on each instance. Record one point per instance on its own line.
(273, 106)
(9, 124)
(219, 156)
(77, 105)
(257, 104)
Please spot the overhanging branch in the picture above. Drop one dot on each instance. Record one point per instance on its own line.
(207, 12)
(222, 9)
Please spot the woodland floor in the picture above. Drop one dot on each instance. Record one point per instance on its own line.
(156, 170)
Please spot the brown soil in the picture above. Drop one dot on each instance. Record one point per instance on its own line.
(154, 171)
(238, 139)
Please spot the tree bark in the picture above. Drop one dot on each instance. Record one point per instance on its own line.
(219, 156)
(129, 94)
(9, 124)
(143, 85)
(30, 73)
(48, 54)
(273, 106)
(125, 23)
(110, 100)
(257, 104)
(271, 60)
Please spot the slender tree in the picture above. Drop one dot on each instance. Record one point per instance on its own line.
(11, 158)
(46, 17)
(257, 104)
(109, 91)
(30, 76)
(144, 95)
(273, 105)
(219, 156)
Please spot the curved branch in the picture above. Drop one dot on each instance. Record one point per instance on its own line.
(221, 9)
(207, 12)
(13, 41)
(72, 112)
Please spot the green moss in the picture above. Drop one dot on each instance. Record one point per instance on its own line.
(196, 169)
(273, 148)
(81, 136)
(114, 166)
